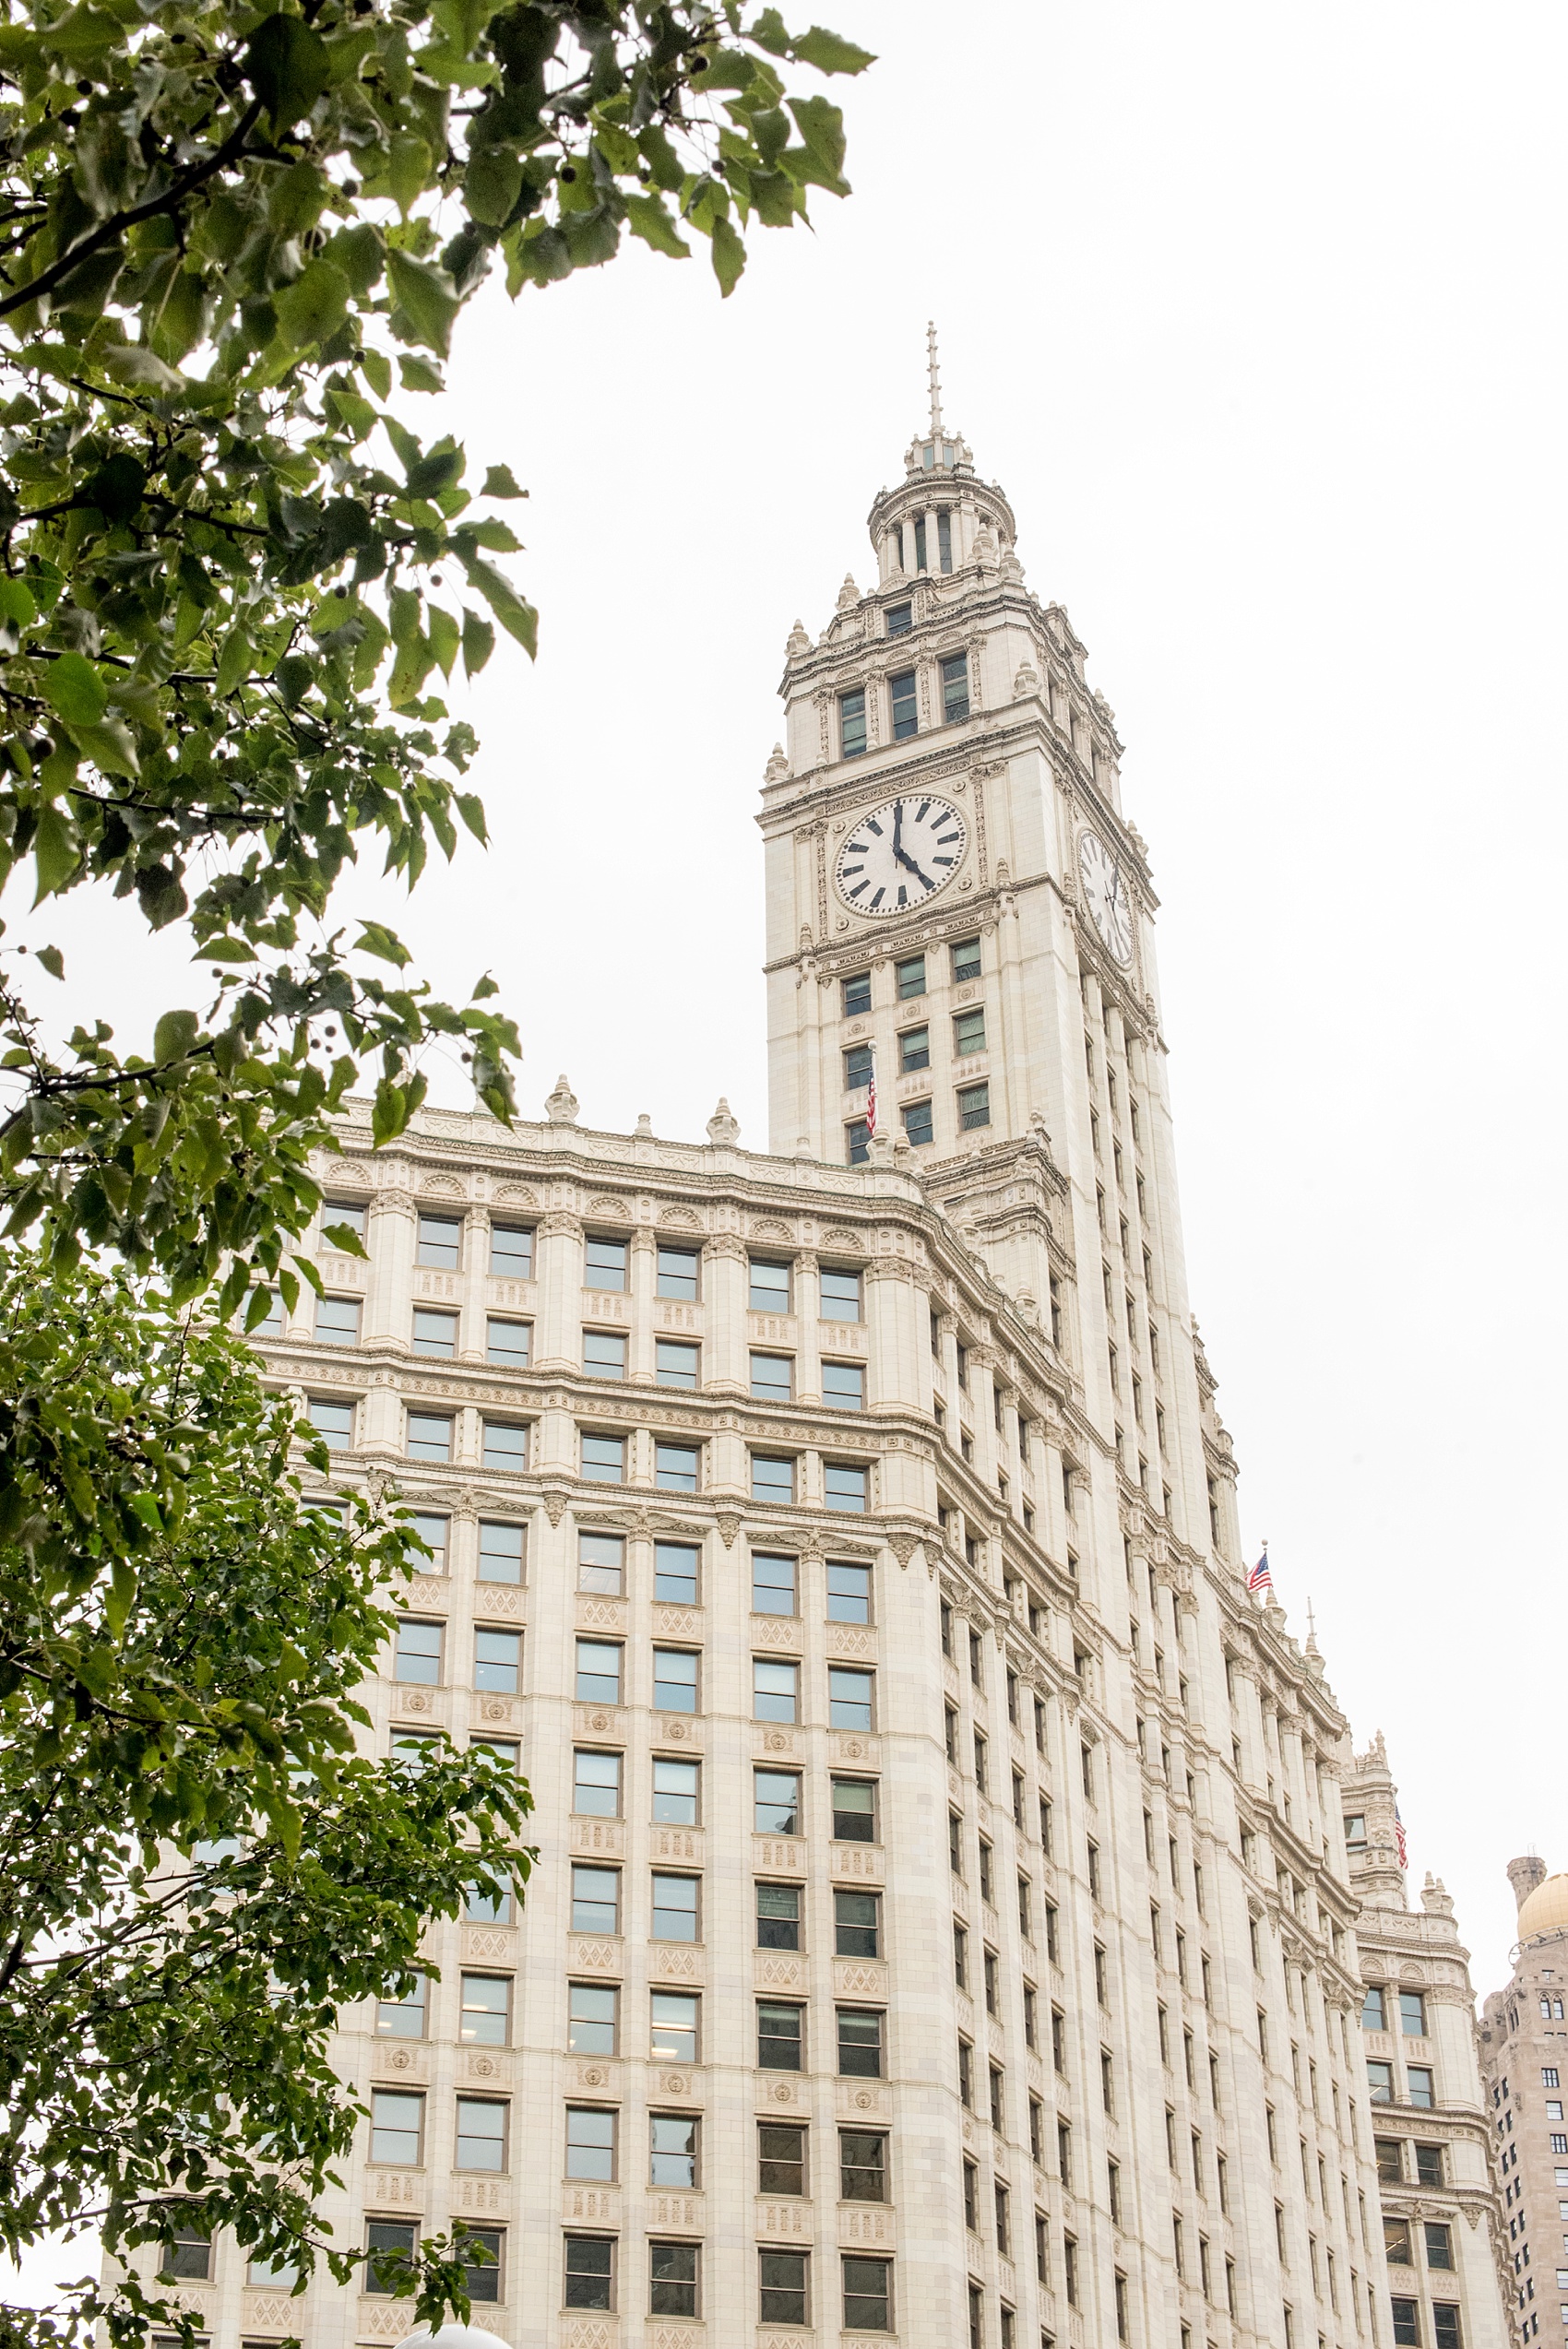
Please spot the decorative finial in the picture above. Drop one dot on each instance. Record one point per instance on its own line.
(644, 1129)
(562, 1105)
(723, 1126)
(935, 380)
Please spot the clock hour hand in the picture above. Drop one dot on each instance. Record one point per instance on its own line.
(898, 854)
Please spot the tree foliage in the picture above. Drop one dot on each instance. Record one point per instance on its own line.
(234, 580)
(196, 1868)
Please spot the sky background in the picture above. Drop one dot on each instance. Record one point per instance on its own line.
(1257, 315)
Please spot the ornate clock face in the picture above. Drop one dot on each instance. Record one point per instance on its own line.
(899, 854)
(1107, 897)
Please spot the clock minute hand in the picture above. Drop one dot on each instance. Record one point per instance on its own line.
(899, 854)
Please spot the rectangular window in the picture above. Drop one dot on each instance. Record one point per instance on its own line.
(1439, 2244)
(511, 1251)
(337, 1322)
(487, 2010)
(857, 1925)
(675, 2018)
(1412, 2014)
(918, 1127)
(974, 1105)
(840, 1298)
(1390, 2167)
(440, 1241)
(599, 1672)
(189, 2253)
(910, 974)
(500, 1552)
(850, 1695)
(969, 1033)
(900, 616)
(1446, 2331)
(675, 1363)
(508, 1345)
(857, 1068)
(590, 2272)
(914, 1051)
(591, 2017)
(602, 1565)
(418, 1654)
(1418, 2083)
(860, 2042)
(846, 1488)
(1429, 2166)
(482, 2271)
(676, 1466)
(1406, 2324)
(773, 1377)
(863, 2165)
(781, 2158)
(334, 1423)
(844, 1386)
(1397, 2242)
(782, 2297)
(1373, 2017)
(672, 2278)
(906, 715)
(595, 1784)
(956, 688)
(595, 1899)
(429, 1436)
(966, 960)
(857, 1143)
(848, 1592)
(403, 2017)
(776, 1802)
(434, 1333)
(679, 1272)
(854, 1811)
(868, 2301)
(675, 1908)
(675, 1572)
(498, 1660)
(773, 1583)
(504, 1444)
(778, 2030)
(604, 1354)
(777, 1916)
(677, 1788)
(488, 1904)
(775, 1690)
(852, 723)
(396, 2127)
(603, 1459)
(343, 1215)
(769, 1288)
(855, 995)
(675, 1679)
(672, 2149)
(773, 1478)
(386, 2235)
(604, 1263)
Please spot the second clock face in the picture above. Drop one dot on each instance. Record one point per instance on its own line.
(1107, 896)
(899, 854)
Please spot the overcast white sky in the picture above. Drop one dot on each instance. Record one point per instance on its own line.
(1257, 315)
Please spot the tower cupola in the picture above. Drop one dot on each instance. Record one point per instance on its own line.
(941, 518)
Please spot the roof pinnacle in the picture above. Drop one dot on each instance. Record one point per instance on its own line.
(935, 380)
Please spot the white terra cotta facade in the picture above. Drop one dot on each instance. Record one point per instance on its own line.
(970, 1862)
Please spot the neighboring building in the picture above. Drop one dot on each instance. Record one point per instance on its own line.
(1442, 2218)
(944, 1928)
(1524, 2067)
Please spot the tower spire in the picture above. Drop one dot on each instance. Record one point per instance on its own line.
(935, 380)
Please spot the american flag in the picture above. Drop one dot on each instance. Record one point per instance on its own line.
(871, 1099)
(1399, 1843)
(1259, 1578)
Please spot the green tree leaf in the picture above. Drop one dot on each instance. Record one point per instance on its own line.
(314, 306)
(427, 299)
(75, 691)
(828, 52)
(729, 256)
(288, 66)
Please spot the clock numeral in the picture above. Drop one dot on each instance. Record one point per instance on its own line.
(872, 825)
(924, 812)
(945, 860)
(877, 900)
(860, 888)
(903, 897)
(851, 870)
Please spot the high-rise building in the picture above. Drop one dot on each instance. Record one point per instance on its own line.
(1442, 2224)
(1525, 2066)
(944, 1928)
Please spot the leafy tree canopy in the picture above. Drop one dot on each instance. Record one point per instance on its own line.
(196, 1869)
(234, 580)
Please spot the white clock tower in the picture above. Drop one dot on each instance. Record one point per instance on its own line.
(957, 904)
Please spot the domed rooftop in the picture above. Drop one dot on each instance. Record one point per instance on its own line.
(1546, 1910)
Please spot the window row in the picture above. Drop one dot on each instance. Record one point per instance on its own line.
(972, 1105)
(903, 705)
(776, 1685)
(1419, 2087)
(1378, 2006)
(675, 1908)
(594, 2155)
(1446, 2331)
(1435, 2235)
(603, 1458)
(914, 1049)
(607, 1261)
(784, 2283)
(777, 1806)
(910, 977)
